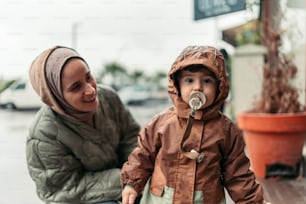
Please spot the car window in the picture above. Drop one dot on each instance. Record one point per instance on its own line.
(20, 86)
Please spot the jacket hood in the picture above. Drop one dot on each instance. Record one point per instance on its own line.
(212, 59)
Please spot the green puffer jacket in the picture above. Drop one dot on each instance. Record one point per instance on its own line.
(71, 162)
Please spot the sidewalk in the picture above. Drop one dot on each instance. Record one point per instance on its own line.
(291, 191)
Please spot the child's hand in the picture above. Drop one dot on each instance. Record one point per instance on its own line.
(128, 195)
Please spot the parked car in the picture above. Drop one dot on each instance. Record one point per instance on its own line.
(20, 95)
(138, 95)
(134, 94)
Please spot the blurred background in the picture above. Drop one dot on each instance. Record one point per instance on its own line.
(129, 45)
(138, 34)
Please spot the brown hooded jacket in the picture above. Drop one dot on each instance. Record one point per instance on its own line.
(224, 165)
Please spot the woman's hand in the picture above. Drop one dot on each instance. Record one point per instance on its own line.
(129, 195)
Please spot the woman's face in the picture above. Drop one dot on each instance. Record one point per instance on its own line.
(78, 86)
(199, 81)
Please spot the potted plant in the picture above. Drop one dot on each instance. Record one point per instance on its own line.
(275, 129)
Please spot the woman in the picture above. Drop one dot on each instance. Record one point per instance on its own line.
(81, 137)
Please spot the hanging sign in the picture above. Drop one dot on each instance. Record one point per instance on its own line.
(210, 8)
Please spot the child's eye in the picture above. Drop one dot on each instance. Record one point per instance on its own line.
(188, 80)
(208, 80)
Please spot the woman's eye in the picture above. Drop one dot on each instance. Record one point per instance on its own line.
(76, 87)
(88, 77)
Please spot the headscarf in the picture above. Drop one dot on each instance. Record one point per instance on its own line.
(45, 76)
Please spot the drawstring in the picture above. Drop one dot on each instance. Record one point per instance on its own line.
(193, 154)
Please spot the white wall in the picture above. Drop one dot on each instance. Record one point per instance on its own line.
(246, 76)
(299, 60)
(247, 63)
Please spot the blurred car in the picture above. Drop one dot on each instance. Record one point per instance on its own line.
(139, 95)
(20, 95)
(134, 94)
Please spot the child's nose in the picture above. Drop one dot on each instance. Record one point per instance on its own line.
(198, 86)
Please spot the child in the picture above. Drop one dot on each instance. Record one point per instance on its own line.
(190, 152)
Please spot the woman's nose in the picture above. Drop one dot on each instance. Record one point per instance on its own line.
(89, 89)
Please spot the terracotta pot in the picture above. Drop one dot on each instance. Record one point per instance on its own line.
(273, 139)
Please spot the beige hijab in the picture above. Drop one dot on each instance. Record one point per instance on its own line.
(45, 76)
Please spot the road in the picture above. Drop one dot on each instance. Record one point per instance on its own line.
(16, 185)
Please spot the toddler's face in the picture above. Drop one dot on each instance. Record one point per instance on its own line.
(202, 80)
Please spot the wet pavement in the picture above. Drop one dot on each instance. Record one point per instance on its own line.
(15, 183)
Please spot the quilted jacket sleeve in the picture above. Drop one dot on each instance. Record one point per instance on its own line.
(129, 128)
(59, 176)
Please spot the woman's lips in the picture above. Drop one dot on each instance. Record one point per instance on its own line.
(92, 99)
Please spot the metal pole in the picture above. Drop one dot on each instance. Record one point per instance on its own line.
(305, 65)
(74, 35)
(217, 36)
